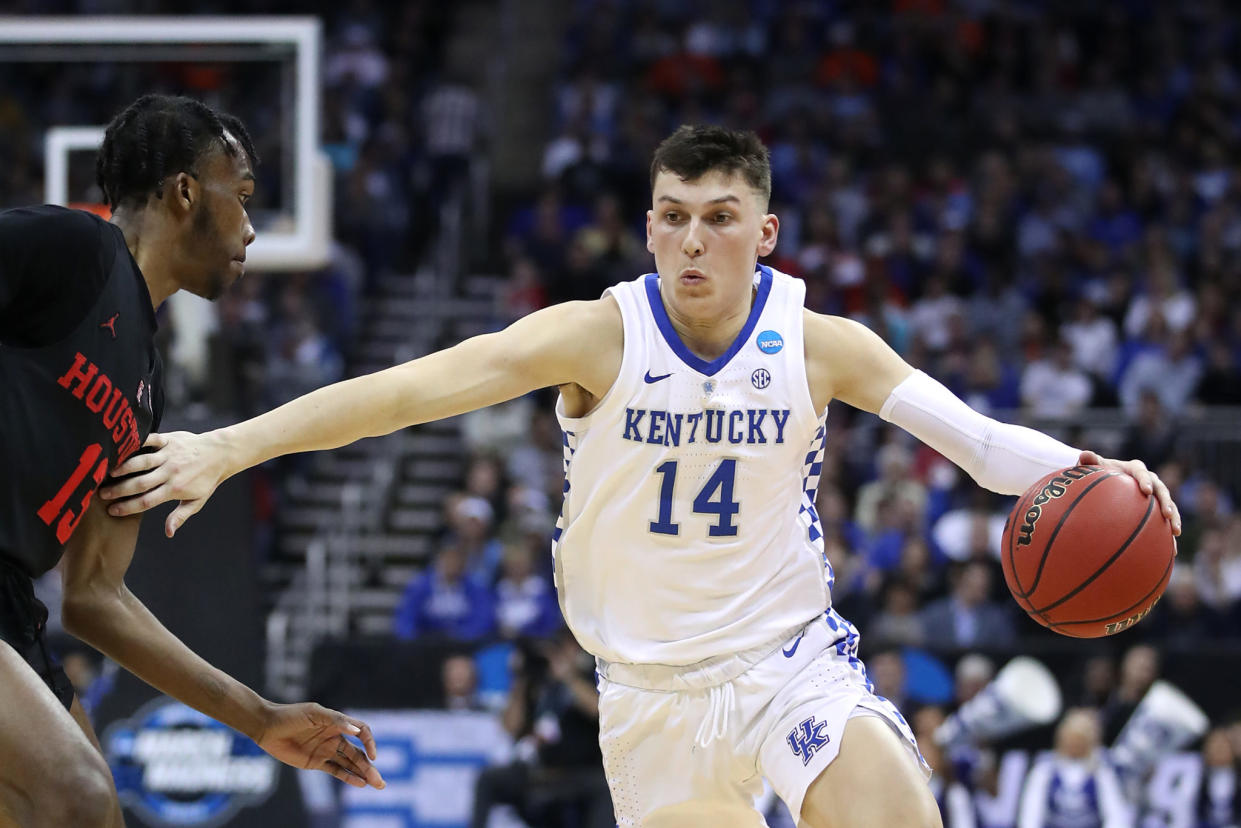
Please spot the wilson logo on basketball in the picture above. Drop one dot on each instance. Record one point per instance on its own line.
(1117, 626)
(1055, 488)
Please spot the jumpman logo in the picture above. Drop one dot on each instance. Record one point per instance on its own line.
(806, 738)
(111, 324)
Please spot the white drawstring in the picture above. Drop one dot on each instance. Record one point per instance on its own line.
(719, 706)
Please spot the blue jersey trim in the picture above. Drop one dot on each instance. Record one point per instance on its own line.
(678, 347)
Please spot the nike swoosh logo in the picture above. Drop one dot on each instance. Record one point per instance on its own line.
(789, 652)
(648, 378)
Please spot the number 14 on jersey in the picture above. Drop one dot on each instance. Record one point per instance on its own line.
(715, 498)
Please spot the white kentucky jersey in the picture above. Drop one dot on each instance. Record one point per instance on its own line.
(688, 529)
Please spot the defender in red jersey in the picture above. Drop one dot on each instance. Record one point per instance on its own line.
(81, 391)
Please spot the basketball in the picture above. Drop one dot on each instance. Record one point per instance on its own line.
(1086, 553)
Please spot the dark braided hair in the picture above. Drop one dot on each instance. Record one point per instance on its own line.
(157, 136)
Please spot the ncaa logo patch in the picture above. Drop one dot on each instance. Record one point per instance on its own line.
(174, 766)
(769, 342)
(761, 378)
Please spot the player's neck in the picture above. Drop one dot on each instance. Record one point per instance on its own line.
(710, 338)
(143, 238)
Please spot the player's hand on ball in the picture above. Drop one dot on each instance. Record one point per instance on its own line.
(176, 466)
(1148, 482)
(312, 737)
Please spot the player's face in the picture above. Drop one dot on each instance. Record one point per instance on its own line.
(707, 236)
(220, 230)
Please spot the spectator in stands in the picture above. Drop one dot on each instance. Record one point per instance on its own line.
(896, 522)
(303, 359)
(453, 124)
(1098, 681)
(459, 678)
(470, 520)
(897, 621)
(484, 477)
(1208, 508)
(974, 672)
(967, 619)
(1054, 387)
(611, 244)
(553, 715)
(894, 461)
(1138, 670)
(1074, 786)
(1164, 298)
(956, 805)
(1181, 619)
(523, 293)
(538, 462)
(960, 533)
(1221, 377)
(931, 316)
(1092, 339)
(1219, 797)
(1217, 566)
(446, 599)
(525, 602)
(1151, 436)
(1171, 370)
(886, 670)
(990, 384)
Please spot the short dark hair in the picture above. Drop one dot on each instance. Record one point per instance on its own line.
(157, 136)
(693, 151)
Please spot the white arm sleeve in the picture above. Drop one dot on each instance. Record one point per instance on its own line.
(1001, 457)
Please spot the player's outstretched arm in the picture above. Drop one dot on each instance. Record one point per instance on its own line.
(847, 361)
(100, 610)
(578, 342)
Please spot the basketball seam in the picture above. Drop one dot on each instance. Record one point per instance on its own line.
(1038, 573)
(1150, 507)
(1127, 610)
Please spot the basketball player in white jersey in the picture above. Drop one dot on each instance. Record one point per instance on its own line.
(688, 556)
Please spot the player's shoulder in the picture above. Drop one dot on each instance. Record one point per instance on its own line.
(585, 319)
(55, 231)
(50, 219)
(833, 332)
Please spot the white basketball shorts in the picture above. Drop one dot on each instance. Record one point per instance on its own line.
(689, 746)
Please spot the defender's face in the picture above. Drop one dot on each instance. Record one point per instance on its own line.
(707, 236)
(221, 229)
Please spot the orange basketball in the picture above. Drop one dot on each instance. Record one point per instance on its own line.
(1085, 553)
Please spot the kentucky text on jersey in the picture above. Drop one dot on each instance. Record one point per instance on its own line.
(714, 425)
(90, 385)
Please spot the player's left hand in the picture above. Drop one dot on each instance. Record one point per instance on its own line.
(312, 737)
(1148, 482)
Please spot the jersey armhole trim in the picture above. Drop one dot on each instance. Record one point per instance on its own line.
(799, 320)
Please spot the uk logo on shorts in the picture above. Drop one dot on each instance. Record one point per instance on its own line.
(808, 737)
(769, 342)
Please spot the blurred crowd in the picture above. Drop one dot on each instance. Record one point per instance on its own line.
(393, 123)
(1039, 204)
(1041, 210)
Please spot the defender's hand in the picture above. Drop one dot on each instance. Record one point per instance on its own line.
(184, 466)
(1148, 482)
(312, 737)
